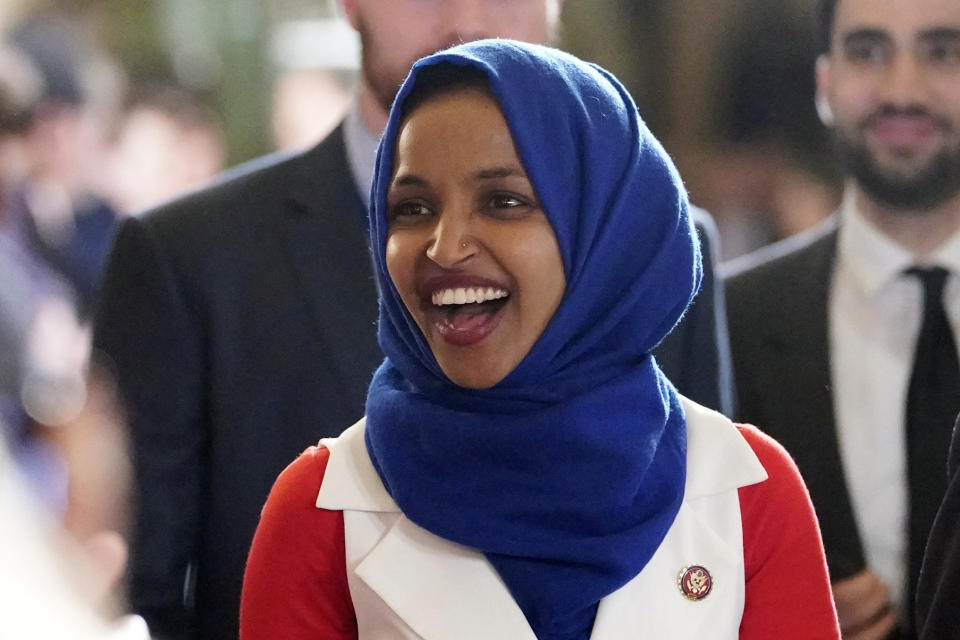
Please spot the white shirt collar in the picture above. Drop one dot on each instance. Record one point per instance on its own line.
(361, 144)
(872, 259)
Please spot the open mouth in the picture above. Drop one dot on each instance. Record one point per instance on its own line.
(466, 315)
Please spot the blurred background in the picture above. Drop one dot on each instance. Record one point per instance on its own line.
(726, 84)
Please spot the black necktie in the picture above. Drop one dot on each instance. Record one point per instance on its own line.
(933, 400)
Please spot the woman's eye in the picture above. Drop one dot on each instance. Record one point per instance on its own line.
(507, 201)
(409, 210)
(508, 206)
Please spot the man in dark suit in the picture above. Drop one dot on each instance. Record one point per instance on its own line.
(241, 325)
(938, 591)
(830, 331)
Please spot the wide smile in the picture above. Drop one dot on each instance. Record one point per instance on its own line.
(464, 313)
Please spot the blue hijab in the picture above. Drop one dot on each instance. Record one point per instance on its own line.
(568, 473)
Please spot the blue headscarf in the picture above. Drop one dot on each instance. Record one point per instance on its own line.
(569, 472)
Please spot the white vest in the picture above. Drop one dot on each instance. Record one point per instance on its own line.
(408, 583)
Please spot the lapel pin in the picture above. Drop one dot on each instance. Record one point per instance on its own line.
(695, 582)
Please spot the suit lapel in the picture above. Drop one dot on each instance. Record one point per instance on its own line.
(423, 577)
(799, 332)
(707, 531)
(798, 337)
(326, 244)
(420, 576)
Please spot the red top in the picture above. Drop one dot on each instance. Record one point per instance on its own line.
(295, 585)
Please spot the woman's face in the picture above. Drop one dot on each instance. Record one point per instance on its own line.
(469, 248)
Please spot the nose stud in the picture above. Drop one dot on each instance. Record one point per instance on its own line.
(464, 245)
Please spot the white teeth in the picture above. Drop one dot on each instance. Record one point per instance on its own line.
(463, 295)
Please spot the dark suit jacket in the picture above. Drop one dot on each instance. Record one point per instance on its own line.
(938, 590)
(241, 325)
(777, 301)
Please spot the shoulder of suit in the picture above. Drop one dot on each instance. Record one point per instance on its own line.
(742, 275)
(248, 190)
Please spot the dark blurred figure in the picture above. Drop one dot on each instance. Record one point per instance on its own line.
(165, 143)
(938, 590)
(768, 178)
(845, 338)
(52, 208)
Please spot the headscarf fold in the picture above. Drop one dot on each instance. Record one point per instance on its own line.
(568, 473)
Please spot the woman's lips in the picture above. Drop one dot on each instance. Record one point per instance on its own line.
(463, 309)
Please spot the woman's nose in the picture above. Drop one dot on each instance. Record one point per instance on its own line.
(451, 243)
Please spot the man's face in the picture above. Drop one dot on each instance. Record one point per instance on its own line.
(892, 82)
(396, 33)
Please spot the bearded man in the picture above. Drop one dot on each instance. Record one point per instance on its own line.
(844, 339)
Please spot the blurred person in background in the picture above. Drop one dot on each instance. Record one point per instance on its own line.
(307, 105)
(64, 470)
(42, 344)
(845, 339)
(52, 209)
(766, 178)
(166, 143)
(241, 323)
(317, 63)
(53, 587)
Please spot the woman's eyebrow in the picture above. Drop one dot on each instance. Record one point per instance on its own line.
(408, 179)
(499, 172)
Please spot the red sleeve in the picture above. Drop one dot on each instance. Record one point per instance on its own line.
(295, 585)
(787, 586)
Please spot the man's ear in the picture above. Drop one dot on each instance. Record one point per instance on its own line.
(823, 89)
(349, 8)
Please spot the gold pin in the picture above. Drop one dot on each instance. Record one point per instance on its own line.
(695, 582)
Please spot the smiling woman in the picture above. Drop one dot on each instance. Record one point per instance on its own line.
(469, 247)
(525, 470)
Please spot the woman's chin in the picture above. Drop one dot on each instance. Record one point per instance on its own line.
(470, 374)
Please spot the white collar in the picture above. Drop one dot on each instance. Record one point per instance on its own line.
(873, 260)
(718, 459)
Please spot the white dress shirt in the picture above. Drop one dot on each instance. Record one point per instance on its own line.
(874, 318)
